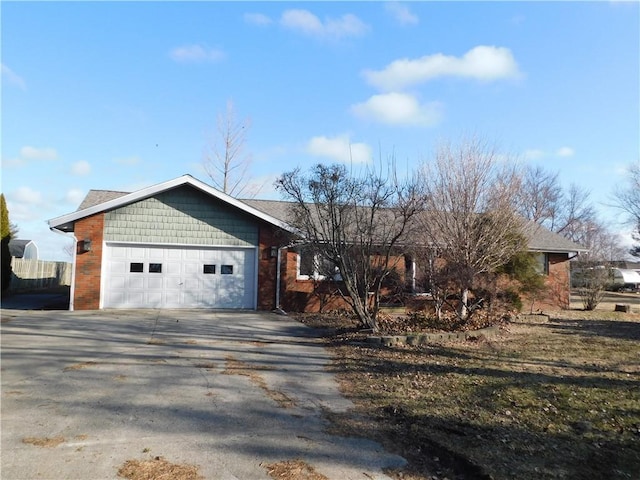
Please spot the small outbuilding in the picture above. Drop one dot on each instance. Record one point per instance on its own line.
(26, 249)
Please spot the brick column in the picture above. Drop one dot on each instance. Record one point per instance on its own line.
(89, 264)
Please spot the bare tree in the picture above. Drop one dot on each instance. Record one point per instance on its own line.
(68, 249)
(628, 199)
(469, 218)
(5, 261)
(354, 223)
(225, 160)
(542, 198)
(592, 269)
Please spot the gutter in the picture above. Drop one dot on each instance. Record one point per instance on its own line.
(73, 263)
(278, 308)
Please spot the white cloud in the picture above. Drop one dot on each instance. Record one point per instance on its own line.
(13, 78)
(74, 196)
(257, 19)
(30, 154)
(26, 195)
(533, 154)
(401, 13)
(305, 22)
(537, 154)
(22, 212)
(11, 162)
(127, 161)
(565, 152)
(398, 109)
(481, 63)
(196, 54)
(340, 148)
(33, 153)
(81, 168)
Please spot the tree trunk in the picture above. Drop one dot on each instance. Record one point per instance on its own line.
(463, 310)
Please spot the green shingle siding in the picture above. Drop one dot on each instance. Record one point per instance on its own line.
(183, 215)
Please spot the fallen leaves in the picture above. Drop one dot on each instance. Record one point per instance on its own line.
(158, 469)
(45, 442)
(546, 400)
(293, 470)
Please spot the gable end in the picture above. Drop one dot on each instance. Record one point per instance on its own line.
(183, 215)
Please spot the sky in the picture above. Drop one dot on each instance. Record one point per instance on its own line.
(123, 95)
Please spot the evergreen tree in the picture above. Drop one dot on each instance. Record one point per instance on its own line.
(6, 237)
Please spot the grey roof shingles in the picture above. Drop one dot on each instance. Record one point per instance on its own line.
(96, 197)
(539, 238)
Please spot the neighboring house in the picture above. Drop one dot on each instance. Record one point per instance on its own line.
(184, 244)
(26, 249)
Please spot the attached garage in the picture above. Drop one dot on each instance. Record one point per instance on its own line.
(178, 277)
(178, 244)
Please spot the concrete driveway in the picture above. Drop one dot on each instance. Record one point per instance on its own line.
(229, 392)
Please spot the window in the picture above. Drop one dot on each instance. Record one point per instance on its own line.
(136, 267)
(306, 264)
(542, 263)
(226, 269)
(209, 269)
(155, 268)
(313, 265)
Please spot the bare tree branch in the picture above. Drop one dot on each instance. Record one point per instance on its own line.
(469, 217)
(628, 199)
(225, 160)
(355, 223)
(542, 199)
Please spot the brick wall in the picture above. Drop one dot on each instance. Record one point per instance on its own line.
(558, 281)
(558, 290)
(266, 268)
(314, 296)
(310, 296)
(88, 264)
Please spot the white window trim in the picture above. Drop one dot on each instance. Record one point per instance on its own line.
(316, 275)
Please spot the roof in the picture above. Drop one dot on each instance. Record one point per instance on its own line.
(98, 201)
(96, 197)
(17, 247)
(275, 212)
(539, 238)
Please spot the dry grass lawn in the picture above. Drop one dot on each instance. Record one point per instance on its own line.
(543, 400)
(157, 469)
(293, 470)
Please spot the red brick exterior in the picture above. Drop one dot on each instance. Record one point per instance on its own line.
(88, 264)
(312, 295)
(306, 295)
(295, 294)
(267, 264)
(557, 282)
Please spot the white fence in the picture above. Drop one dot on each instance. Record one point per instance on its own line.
(34, 274)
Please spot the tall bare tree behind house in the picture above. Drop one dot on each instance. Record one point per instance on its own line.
(225, 159)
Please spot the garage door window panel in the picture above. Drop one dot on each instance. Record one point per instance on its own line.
(155, 268)
(136, 267)
(226, 269)
(209, 269)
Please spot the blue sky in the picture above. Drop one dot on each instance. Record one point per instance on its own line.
(122, 95)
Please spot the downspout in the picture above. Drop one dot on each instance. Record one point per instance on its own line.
(278, 308)
(278, 265)
(72, 287)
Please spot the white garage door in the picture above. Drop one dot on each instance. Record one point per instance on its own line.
(178, 277)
